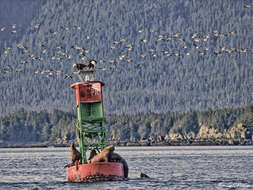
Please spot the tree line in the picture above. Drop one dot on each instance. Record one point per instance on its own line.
(58, 127)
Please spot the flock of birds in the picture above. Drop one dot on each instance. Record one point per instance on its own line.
(60, 55)
(183, 46)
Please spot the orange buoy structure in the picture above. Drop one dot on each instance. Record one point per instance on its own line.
(90, 116)
(99, 171)
(91, 133)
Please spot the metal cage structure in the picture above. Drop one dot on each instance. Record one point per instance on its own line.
(90, 127)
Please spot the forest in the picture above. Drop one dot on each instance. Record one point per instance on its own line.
(229, 126)
(155, 56)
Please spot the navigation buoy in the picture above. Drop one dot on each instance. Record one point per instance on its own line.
(102, 166)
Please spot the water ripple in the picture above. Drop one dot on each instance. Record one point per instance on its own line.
(169, 168)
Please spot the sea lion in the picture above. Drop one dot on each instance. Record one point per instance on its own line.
(76, 155)
(114, 157)
(103, 156)
(142, 175)
(93, 153)
(107, 155)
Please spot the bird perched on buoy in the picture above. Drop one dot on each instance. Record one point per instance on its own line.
(81, 67)
(91, 64)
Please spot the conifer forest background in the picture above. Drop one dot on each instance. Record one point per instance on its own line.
(174, 71)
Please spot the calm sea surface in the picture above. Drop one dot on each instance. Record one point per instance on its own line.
(206, 167)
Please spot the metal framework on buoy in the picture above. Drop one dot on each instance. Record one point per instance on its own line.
(91, 132)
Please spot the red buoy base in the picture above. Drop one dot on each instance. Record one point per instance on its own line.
(99, 171)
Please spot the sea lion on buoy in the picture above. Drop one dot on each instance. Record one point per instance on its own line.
(93, 153)
(76, 155)
(114, 157)
(103, 156)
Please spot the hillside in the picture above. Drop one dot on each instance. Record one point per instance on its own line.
(16, 16)
(154, 56)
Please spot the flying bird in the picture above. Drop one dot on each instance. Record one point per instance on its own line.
(247, 6)
(2, 29)
(68, 76)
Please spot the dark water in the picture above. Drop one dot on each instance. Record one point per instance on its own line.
(214, 167)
